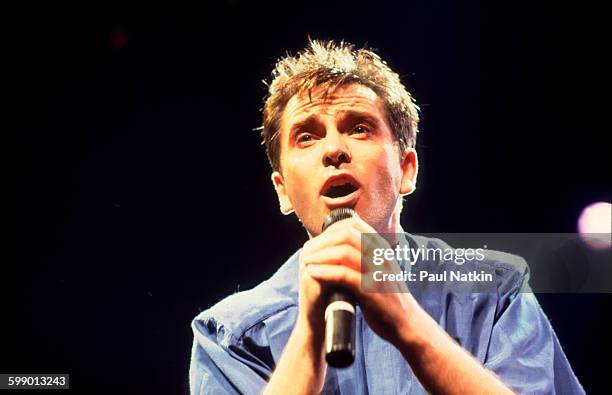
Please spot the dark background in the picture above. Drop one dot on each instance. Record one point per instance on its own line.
(143, 194)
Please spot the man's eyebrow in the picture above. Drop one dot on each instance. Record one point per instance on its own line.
(342, 116)
(309, 120)
(360, 115)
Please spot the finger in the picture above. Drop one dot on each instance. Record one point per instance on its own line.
(335, 274)
(363, 226)
(354, 222)
(339, 255)
(352, 281)
(343, 232)
(359, 228)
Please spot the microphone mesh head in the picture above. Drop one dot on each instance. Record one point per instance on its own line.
(337, 214)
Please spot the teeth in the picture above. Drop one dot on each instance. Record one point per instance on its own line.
(337, 183)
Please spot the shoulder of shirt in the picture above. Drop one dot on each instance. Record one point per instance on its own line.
(512, 268)
(240, 311)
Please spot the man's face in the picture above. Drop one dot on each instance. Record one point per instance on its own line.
(341, 152)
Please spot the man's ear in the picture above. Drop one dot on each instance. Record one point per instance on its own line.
(410, 169)
(283, 198)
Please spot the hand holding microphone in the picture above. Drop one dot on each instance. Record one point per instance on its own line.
(333, 286)
(340, 312)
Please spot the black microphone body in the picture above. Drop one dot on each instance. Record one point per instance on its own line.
(340, 312)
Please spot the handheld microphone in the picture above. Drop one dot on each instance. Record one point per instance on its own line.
(340, 312)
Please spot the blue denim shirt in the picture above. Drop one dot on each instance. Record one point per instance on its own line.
(238, 342)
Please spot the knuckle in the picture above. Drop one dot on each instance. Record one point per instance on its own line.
(305, 259)
(344, 254)
(344, 232)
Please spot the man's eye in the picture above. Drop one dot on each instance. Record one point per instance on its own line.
(304, 138)
(360, 129)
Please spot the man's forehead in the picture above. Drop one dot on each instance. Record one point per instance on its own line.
(343, 98)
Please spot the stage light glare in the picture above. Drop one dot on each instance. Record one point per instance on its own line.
(595, 225)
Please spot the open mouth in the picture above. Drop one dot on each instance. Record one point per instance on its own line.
(336, 191)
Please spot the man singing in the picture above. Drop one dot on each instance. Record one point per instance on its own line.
(339, 130)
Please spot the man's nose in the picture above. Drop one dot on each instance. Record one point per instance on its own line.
(336, 152)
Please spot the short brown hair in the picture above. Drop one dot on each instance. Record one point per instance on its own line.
(329, 65)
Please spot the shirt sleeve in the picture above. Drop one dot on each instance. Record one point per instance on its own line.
(524, 350)
(224, 364)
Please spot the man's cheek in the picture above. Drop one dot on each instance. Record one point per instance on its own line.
(301, 199)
